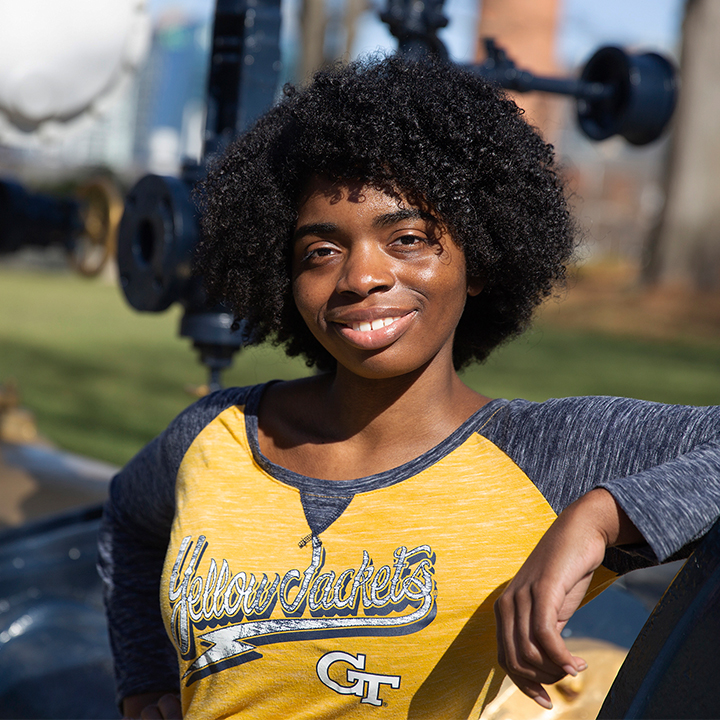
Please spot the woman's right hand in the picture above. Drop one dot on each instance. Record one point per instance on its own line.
(152, 706)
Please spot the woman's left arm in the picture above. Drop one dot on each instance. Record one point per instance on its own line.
(619, 472)
(661, 463)
(549, 587)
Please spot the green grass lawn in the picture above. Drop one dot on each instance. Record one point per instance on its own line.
(103, 379)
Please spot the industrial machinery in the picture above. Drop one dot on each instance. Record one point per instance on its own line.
(85, 226)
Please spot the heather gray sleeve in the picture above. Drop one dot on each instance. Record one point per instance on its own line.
(134, 536)
(660, 462)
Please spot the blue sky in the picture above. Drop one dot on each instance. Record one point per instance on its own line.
(636, 24)
(584, 25)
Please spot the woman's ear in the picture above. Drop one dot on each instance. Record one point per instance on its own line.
(475, 286)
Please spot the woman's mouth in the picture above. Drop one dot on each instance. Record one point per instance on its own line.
(374, 334)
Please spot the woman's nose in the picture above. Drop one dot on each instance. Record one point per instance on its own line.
(366, 270)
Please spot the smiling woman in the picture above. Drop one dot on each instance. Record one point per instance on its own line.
(378, 538)
(369, 273)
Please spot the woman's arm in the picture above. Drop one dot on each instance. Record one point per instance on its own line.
(618, 472)
(549, 587)
(132, 546)
(661, 463)
(133, 540)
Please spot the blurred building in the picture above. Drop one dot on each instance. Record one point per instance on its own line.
(616, 192)
(528, 31)
(171, 95)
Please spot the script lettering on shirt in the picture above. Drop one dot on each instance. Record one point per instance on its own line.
(231, 611)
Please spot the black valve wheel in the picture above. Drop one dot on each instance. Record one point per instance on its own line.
(640, 95)
(158, 232)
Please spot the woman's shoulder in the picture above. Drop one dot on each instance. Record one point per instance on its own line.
(600, 409)
(574, 424)
(168, 448)
(203, 411)
(148, 479)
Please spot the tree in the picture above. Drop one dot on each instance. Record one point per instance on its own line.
(684, 247)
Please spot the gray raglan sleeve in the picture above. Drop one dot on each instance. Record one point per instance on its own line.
(660, 462)
(134, 536)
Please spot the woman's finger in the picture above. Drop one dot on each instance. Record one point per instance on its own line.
(535, 691)
(518, 655)
(170, 707)
(545, 632)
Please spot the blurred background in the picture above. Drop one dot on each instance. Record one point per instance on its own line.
(80, 369)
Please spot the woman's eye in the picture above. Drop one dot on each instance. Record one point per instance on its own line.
(318, 252)
(409, 240)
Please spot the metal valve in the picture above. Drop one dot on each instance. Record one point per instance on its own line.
(642, 90)
(618, 93)
(160, 227)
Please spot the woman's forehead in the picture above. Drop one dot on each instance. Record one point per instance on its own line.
(321, 189)
(353, 200)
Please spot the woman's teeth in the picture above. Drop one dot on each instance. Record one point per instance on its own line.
(374, 325)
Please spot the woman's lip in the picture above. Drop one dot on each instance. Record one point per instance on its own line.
(374, 339)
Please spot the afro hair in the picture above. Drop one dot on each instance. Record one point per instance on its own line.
(440, 136)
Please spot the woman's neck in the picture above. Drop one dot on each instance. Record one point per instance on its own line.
(381, 412)
(345, 426)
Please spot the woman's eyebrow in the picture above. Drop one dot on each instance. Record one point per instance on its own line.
(384, 220)
(321, 228)
(399, 215)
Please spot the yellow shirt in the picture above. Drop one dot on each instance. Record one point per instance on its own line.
(388, 613)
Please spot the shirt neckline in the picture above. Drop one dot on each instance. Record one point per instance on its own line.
(386, 478)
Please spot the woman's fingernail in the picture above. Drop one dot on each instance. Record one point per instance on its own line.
(570, 670)
(543, 702)
(580, 664)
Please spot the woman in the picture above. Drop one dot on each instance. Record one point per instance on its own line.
(334, 546)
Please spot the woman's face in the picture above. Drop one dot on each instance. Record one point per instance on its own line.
(378, 281)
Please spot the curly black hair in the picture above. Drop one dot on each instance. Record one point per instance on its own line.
(432, 132)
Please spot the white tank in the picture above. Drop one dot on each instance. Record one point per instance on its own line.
(60, 58)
